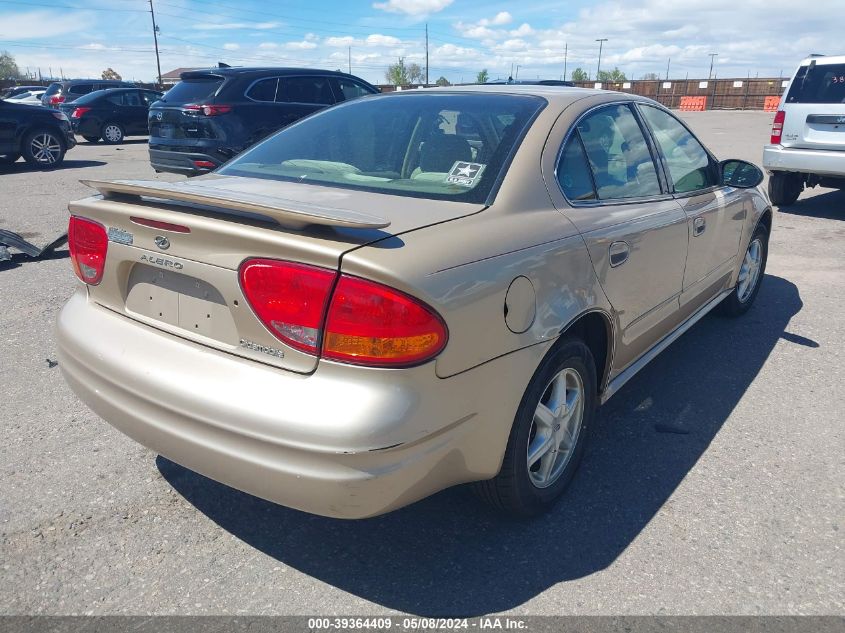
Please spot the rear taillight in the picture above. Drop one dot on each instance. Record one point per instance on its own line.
(88, 243)
(777, 127)
(204, 164)
(289, 299)
(366, 323)
(206, 110)
(372, 324)
(56, 99)
(78, 112)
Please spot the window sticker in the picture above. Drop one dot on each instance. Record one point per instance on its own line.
(464, 173)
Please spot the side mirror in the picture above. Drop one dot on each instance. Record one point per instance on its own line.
(740, 174)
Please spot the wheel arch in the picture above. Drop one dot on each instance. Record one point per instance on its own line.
(595, 328)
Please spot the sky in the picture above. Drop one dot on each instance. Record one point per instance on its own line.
(533, 38)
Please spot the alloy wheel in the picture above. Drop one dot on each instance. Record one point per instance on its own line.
(46, 148)
(555, 429)
(749, 272)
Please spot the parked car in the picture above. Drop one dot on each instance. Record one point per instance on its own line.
(212, 115)
(40, 135)
(376, 303)
(112, 114)
(16, 90)
(70, 90)
(31, 97)
(807, 146)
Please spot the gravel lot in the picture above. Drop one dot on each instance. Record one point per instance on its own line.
(714, 484)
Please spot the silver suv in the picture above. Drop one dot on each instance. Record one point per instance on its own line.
(807, 147)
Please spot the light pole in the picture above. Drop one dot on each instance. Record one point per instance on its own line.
(712, 56)
(598, 66)
(155, 39)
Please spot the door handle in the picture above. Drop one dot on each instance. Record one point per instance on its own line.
(698, 226)
(619, 252)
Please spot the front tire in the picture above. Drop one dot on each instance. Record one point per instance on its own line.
(43, 149)
(549, 433)
(113, 133)
(750, 276)
(785, 187)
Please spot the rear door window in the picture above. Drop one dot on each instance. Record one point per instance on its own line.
(264, 90)
(315, 90)
(81, 89)
(820, 83)
(194, 90)
(352, 89)
(118, 99)
(619, 157)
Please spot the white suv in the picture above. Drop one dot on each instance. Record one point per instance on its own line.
(808, 134)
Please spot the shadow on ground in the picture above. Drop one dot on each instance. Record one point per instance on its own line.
(829, 206)
(450, 555)
(22, 166)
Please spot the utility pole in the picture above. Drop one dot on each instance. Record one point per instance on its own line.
(426, 54)
(712, 56)
(517, 72)
(667, 68)
(598, 66)
(155, 39)
(565, 56)
(350, 60)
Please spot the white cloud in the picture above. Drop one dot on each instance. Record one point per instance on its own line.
(503, 17)
(93, 46)
(413, 7)
(268, 46)
(231, 46)
(376, 39)
(304, 45)
(338, 42)
(523, 30)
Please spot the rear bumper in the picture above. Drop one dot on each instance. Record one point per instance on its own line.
(346, 442)
(807, 161)
(181, 162)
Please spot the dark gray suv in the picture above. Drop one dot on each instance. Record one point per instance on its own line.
(70, 90)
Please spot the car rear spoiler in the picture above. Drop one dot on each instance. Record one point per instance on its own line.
(291, 213)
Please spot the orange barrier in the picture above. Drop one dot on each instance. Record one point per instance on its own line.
(693, 104)
(771, 104)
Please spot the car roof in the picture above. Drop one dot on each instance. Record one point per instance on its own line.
(282, 70)
(823, 60)
(558, 95)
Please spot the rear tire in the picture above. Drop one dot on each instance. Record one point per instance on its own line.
(113, 133)
(785, 187)
(43, 149)
(750, 277)
(91, 139)
(547, 439)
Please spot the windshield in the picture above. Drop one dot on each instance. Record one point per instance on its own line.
(439, 146)
(91, 96)
(821, 83)
(194, 90)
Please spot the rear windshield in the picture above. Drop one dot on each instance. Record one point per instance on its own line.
(52, 89)
(194, 90)
(822, 83)
(438, 146)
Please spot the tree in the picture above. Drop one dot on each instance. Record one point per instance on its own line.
(443, 81)
(415, 74)
(579, 75)
(651, 76)
(110, 73)
(397, 73)
(8, 67)
(614, 75)
(482, 77)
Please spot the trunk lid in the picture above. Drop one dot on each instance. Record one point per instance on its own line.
(186, 283)
(815, 107)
